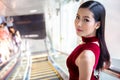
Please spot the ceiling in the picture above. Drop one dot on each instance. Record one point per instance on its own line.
(20, 7)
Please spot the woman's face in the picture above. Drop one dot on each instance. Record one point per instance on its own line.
(1, 26)
(85, 23)
(12, 30)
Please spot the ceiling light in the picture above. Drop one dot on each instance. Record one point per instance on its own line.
(33, 11)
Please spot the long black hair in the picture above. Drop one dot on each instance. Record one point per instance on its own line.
(99, 15)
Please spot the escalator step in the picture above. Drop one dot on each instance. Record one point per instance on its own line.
(46, 77)
(41, 72)
(40, 59)
(42, 69)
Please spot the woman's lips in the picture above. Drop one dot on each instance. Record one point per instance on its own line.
(79, 30)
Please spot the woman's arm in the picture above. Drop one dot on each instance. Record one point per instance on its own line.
(18, 34)
(85, 62)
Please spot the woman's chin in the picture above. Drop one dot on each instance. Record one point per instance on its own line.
(79, 34)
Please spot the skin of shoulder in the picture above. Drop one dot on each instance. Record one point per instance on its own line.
(85, 62)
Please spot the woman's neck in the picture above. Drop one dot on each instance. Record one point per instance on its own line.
(89, 39)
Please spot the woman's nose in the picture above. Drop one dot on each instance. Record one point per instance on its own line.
(79, 23)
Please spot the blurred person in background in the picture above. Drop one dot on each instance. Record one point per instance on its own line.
(4, 33)
(15, 36)
(9, 21)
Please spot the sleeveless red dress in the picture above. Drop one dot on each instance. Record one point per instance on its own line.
(89, 45)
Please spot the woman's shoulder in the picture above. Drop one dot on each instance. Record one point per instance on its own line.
(89, 48)
(92, 46)
(86, 57)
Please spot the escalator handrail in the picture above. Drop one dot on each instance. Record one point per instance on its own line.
(62, 73)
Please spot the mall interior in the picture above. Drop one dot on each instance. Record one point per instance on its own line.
(47, 36)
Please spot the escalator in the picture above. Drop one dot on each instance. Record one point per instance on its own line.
(32, 64)
(20, 69)
(42, 69)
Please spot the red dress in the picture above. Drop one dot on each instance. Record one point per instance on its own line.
(89, 45)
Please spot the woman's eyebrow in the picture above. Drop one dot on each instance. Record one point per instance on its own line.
(86, 16)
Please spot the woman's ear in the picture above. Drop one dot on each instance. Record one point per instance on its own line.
(98, 25)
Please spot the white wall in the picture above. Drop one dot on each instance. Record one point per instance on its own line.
(112, 26)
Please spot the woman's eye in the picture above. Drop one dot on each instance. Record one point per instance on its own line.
(86, 20)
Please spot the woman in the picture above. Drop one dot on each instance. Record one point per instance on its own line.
(92, 54)
(15, 35)
(4, 34)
